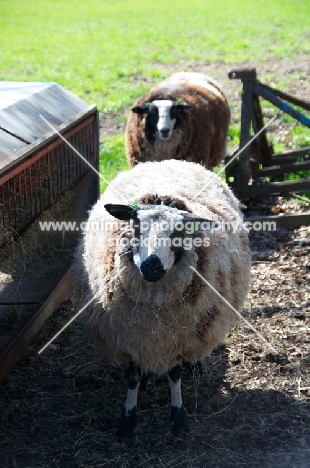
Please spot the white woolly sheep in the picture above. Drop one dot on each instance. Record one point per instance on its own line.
(152, 310)
(184, 117)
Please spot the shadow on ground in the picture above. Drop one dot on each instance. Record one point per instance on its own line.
(60, 410)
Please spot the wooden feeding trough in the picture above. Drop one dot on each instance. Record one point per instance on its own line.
(38, 171)
(257, 161)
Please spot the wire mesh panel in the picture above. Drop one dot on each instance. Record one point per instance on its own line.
(31, 186)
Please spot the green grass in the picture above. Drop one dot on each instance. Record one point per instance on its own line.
(109, 52)
(105, 51)
(112, 159)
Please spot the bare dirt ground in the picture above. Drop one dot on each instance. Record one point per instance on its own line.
(250, 408)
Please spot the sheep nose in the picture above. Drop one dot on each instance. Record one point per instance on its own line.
(152, 269)
(153, 262)
(165, 132)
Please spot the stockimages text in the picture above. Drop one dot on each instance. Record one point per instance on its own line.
(175, 234)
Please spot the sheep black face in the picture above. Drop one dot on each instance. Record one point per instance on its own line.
(161, 235)
(162, 117)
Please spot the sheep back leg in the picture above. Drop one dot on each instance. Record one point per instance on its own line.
(177, 414)
(129, 416)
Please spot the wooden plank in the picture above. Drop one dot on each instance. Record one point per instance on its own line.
(49, 138)
(284, 221)
(21, 104)
(19, 342)
(295, 152)
(242, 73)
(261, 143)
(276, 101)
(246, 118)
(292, 156)
(284, 168)
(256, 190)
(298, 102)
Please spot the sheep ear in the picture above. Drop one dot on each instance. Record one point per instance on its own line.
(122, 212)
(197, 224)
(140, 109)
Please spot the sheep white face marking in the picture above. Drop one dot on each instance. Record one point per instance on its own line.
(153, 254)
(165, 124)
(160, 235)
(163, 116)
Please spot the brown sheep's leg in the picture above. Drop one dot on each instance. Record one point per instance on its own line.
(178, 414)
(129, 415)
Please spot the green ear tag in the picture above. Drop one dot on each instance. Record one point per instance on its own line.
(134, 204)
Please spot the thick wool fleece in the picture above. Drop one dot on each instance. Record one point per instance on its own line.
(202, 136)
(179, 317)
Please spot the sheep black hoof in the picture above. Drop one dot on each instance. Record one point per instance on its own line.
(127, 426)
(179, 422)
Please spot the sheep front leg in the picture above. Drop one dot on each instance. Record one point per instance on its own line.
(178, 414)
(129, 415)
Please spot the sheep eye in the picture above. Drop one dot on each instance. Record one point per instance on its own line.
(173, 112)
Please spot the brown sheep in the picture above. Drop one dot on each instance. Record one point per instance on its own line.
(184, 117)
